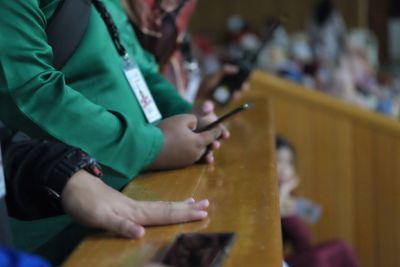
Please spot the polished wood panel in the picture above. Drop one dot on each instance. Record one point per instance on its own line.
(242, 189)
(211, 16)
(348, 160)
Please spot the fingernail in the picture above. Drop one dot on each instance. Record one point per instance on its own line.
(190, 200)
(136, 232)
(201, 214)
(204, 203)
(208, 106)
(217, 145)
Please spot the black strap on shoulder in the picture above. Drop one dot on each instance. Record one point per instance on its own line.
(66, 29)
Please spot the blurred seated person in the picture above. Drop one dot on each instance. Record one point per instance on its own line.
(161, 27)
(295, 211)
(327, 31)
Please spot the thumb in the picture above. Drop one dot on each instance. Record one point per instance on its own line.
(190, 121)
(207, 107)
(124, 227)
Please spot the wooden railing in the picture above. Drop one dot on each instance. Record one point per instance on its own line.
(243, 192)
(348, 159)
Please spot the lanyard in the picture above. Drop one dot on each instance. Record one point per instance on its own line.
(134, 76)
(112, 29)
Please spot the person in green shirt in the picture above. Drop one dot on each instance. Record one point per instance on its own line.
(90, 104)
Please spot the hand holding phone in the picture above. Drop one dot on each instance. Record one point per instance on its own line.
(307, 210)
(226, 116)
(230, 83)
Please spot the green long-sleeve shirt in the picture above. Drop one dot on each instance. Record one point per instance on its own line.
(88, 104)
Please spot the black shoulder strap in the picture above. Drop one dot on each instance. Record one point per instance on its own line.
(66, 29)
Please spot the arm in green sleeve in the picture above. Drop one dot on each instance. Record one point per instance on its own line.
(35, 98)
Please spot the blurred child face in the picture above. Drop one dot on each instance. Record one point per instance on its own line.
(285, 164)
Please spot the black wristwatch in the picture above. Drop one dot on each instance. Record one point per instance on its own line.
(74, 161)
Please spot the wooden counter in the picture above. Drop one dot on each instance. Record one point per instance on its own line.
(243, 192)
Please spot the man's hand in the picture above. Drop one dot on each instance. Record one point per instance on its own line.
(182, 146)
(91, 202)
(209, 83)
(205, 115)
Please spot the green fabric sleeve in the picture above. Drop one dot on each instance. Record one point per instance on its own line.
(35, 98)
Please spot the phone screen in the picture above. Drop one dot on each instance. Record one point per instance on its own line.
(224, 117)
(198, 250)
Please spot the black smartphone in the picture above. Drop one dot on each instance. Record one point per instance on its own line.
(198, 250)
(224, 117)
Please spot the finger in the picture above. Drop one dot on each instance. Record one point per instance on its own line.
(161, 213)
(245, 87)
(209, 158)
(204, 109)
(150, 32)
(207, 107)
(124, 227)
(210, 136)
(225, 132)
(236, 95)
(229, 69)
(202, 204)
(216, 145)
(189, 200)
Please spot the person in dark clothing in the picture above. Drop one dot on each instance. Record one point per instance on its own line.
(296, 234)
(45, 179)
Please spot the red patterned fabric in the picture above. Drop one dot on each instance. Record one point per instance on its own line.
(147, 13)
(328, 254)
(296, 233)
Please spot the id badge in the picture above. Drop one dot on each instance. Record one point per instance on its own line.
(2, 181)
(142, 92)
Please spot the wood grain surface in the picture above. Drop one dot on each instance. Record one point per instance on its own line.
(241, 187)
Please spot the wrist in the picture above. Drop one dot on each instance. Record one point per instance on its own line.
(73, 163)
(80, 180)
